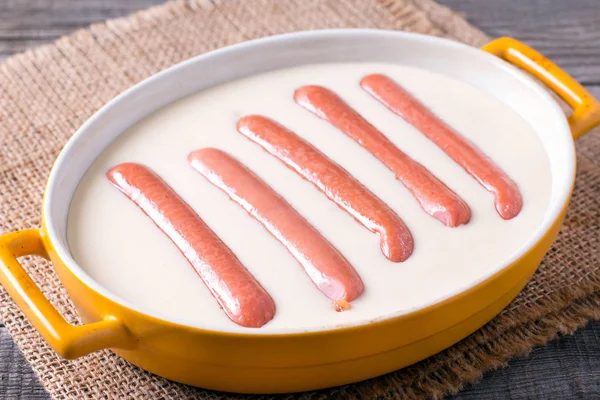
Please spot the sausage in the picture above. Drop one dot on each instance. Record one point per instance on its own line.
(238, 293)
(396, 241)
(433, 196)
(507, 197)
(323, 263)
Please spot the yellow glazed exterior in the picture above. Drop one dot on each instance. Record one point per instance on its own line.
(271, 363)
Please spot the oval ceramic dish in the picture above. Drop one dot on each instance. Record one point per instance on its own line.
(296, 361)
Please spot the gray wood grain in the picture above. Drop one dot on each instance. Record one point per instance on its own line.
(17, 380)
(568, 368)
(567, 31)
(29, 23)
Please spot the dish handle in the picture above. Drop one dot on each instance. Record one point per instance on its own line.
(586, 109)
(68, 340)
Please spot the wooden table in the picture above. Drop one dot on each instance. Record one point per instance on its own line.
(567, 31)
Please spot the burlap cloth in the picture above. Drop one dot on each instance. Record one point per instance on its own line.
(47, 93)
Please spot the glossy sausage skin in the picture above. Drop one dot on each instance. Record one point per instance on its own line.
(395, 238)
(507, 197)
(325, 266)
(433, 196)
(240, 295)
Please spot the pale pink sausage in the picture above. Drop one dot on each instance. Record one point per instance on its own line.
(348, 193)
(325, 266)
(507, 197)
(433, 196)
(240, 295)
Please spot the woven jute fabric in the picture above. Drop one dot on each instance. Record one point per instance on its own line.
(47, 93)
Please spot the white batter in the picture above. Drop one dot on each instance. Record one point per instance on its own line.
(124, 251)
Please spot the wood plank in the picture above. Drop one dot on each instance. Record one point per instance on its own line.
(30, 23)
(567, 368)
(567, 32)
(17, 380)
